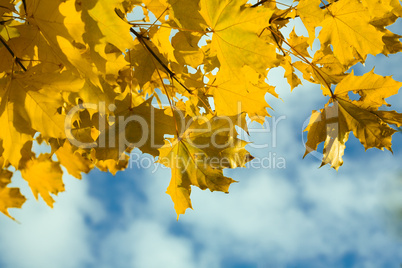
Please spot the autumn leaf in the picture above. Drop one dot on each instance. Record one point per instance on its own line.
(73, 160)
(343, 115)
(242, 55)
(144, 63)
(94, 79)
(112, 166)
(44, 177)
(312, 16)
(114, 30)
(199, 156)
(292, 78)
(349, 35)
(58, 34)
(246, 95)
(9, 197)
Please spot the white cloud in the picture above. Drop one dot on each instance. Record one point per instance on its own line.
(146, 243)
(277, 219)
(47, 237)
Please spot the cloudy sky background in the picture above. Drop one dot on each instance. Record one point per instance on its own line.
(298, 216)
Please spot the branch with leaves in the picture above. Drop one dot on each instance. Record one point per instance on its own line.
(94, 95)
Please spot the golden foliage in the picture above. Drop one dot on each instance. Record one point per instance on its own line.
(89, 80)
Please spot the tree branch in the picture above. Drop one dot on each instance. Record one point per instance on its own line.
(171, 74)
(259, 3)
(17, 60)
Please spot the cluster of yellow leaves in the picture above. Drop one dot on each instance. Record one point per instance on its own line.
(88, 80)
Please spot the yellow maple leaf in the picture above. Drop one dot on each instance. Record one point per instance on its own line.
(372, 89)
(299, 44)
(312, 16)
(106, 36)
(9, 197)
(114, 30)
(44, 177)
(329, 126)
(30, 103)
(342, 115)
(143, 62)
(54, 36)
(292, 78)
(379, 10)
(16, 131)
(236, 29)
(73, 160)
(112, 165)
(325, 69)
(349, 35)
(234, 97)
(199, 156)
(180, 10)
(186, 50)
(242, 55)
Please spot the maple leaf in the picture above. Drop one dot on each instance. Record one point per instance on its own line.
(298, 44)
(380, 10)
(312, 16)
(114, 30)
(112, 165)
(30, 103)
(349, 35)
(324, 69)
(44, 177)
(179, 13)
(292, 78)
(73, 160)
(144, 63)
(9, 197)
(186, 50)
(54, 31)
(199, 156)
(242, 55)
(342, 115)
(81, 74)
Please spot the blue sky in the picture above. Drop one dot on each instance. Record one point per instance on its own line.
(298, 216)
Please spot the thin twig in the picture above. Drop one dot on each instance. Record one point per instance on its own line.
(171, 74)
(17, 60)
(259, 3)
(25, 6)
(305, 60)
